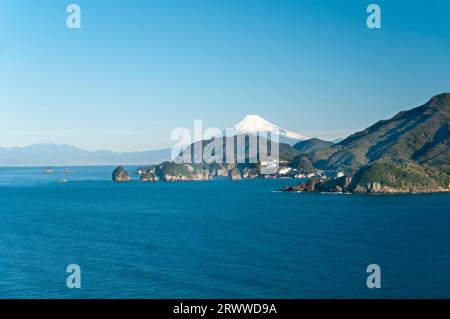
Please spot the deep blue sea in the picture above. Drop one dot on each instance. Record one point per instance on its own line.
(215, 239)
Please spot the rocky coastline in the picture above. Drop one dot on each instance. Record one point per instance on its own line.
(172, 172)
(392, 180)
(380, 178)
(408, 153)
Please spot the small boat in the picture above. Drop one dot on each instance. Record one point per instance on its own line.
(49, 170)
(63, 181)
(68, 170)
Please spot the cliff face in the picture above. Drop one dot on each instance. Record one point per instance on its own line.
(169, 172)
(388, 177)
(382, 178)
(250, 173)
(314, 185)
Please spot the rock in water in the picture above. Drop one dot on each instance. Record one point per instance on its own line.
(120, 175)
(234, 174)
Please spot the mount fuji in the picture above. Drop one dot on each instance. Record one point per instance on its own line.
(253, 124)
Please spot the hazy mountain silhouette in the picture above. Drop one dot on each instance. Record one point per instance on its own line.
(62, 154)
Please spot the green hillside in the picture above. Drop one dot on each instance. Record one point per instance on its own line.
(312, 144)
(420, 135)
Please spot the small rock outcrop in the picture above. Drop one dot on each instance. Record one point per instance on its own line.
(250, 173)
(234, 174)
(120, 175)
(314, 185)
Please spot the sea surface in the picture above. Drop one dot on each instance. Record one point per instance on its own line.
(214, 239)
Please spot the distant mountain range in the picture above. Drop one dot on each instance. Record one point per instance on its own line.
(61, 154)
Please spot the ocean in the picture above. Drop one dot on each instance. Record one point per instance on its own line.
(214, 239)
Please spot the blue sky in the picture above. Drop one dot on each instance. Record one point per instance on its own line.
(138, 69)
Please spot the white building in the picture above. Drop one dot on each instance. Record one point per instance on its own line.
(284, 170)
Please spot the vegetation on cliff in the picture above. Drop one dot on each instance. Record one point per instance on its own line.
(407, 153)
(170, 171)
(313, 144)
(120, 175)
(420, 135)
(382, 177)
(388, 177)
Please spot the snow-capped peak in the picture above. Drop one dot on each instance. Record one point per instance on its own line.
(255, 124)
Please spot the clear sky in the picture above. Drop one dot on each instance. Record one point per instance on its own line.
(138, 69)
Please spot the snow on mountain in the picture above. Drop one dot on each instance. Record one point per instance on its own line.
(255, 124)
